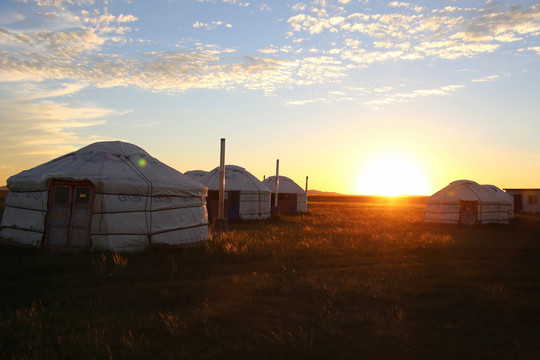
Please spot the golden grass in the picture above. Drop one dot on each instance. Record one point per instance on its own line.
(347, 280)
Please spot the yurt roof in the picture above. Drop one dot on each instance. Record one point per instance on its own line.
(113, 167)
(286, 185)
(236, 179)
(195, 174)
(468, 190)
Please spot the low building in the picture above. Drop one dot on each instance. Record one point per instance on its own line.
(525, 200)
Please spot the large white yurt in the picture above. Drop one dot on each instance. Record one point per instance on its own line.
(246, 198)
(107, 196)
(468, 203)
(291, 197)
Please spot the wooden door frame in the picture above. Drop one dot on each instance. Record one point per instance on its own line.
(462, 218)
(73, 185)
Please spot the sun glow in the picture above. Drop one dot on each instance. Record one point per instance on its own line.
(392, 174)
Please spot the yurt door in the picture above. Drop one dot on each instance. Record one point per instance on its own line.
(70, 214)
(232, 205)
(468, 214)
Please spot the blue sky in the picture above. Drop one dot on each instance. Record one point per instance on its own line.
(355, 94)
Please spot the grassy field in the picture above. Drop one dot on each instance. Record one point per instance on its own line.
(348, 280)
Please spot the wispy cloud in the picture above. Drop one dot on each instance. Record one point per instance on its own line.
(376, 97)
(212, 25)
(232, 2)
(448, 33)
(324, 44)
(487, 78)
(41, 123)
(532, 48)
(391, 97)
(406, 5)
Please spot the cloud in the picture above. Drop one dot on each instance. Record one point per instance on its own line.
(532, 48)
(126, 18)
(487, 78)
(232, 2)
(236, 2)
(332, 96)
(388, 97)
(60, 4)
(448, 33)
(299, 7)
(406, 5)
(497, 22)
(211, 26)
(40, 124)
(326, 45)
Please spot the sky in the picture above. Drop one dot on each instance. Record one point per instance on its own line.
(363, 96)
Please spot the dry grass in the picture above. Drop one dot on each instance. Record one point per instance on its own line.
(347, 280)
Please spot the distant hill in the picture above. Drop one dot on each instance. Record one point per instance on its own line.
(326, 196)
(323, 193)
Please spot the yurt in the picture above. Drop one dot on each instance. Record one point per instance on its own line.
(246, 198)
(291, 197)
(196, 174)
(468, 203)
(107, 196)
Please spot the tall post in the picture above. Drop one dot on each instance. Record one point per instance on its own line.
(221, 209)
(277, 184)
(306, 193)
(221, 223)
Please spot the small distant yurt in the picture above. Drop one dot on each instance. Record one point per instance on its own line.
(196, 174)
(108, 196)
(292, 198)
(246, 198)
(468, 203)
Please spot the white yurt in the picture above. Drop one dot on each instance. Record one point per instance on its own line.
(246, 198)
(468, 203)
(195, 174)
(291, 197)
(108, 196)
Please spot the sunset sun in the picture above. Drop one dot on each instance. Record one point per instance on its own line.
(392, 174)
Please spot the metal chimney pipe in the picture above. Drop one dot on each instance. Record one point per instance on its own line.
(277, 184)
(306, 192)
(221, 209)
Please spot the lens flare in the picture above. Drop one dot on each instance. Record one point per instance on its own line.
(142, 162)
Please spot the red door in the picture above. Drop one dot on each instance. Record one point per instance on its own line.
(70, 214)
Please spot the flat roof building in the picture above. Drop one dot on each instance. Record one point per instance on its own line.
(525, 200)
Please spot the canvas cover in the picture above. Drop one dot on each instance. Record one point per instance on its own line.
(494, 205)
(288, 186)
(254, 195)
(195, 174)
(139, 201)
